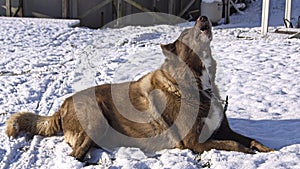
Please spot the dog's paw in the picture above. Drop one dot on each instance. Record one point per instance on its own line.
(255, 145)
(78, 155)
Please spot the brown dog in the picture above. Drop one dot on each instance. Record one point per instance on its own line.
(176, 106)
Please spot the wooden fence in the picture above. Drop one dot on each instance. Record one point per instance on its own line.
(97, 13)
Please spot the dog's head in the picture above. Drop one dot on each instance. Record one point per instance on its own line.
(189, 52)
(202, 29)
(192, 44)
(197, 38)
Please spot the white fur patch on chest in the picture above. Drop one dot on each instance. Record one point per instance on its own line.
(207, 73)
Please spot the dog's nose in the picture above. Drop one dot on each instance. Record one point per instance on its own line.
(202, 19)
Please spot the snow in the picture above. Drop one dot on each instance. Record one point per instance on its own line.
(42, 58)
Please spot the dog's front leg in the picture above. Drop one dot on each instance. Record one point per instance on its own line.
(226, 133)
(227, 145)
(163, 81)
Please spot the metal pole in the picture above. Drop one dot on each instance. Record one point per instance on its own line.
(265, 16)
(288, 7)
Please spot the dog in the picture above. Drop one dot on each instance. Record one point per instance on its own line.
(175, 106)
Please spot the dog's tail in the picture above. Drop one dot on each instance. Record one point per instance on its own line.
(33, 124)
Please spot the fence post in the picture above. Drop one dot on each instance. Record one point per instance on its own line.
(288, 7)
(73, 8)
(265, 16)
(119, 12)
(64, 9)
(119, 8)
(227, 11)
(171, 7)
(8, 7)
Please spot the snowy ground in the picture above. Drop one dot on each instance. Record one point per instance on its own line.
(40, 60)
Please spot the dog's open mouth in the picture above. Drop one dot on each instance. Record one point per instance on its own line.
(204, 28)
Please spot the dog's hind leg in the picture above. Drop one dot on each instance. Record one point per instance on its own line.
(82, 146)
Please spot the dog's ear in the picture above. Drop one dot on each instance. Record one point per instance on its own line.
(169, 50)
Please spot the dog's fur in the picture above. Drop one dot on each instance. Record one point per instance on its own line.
(169, 104)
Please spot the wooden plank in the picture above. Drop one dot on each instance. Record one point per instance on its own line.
(296, 35)
(128, 9)
(293, 32)
(265, 16)
(187, 7)
(95, 8)
(144, 9)
(287, 30)
(19, 11)
(64, 8)
(40, 15)
(8, 7)
(138, 6)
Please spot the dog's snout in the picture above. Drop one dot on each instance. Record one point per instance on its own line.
(202, 19)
